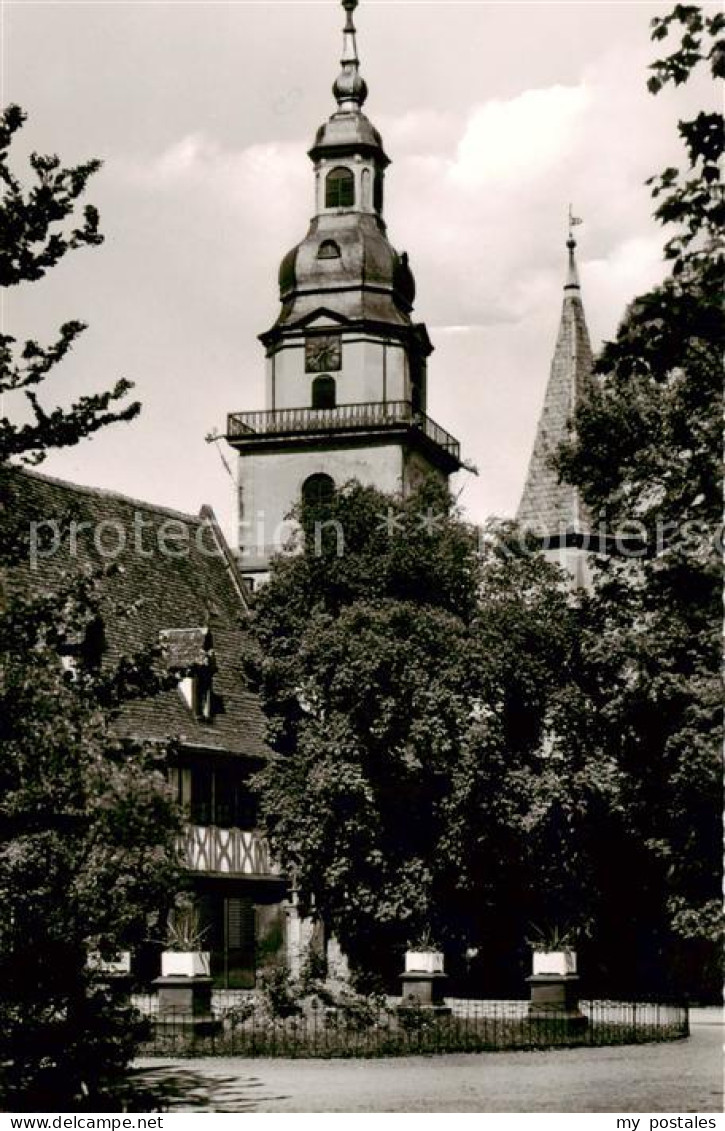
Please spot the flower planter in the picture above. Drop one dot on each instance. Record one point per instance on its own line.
(559, 962)
(121, 965)
(185, 963)
(423, 962)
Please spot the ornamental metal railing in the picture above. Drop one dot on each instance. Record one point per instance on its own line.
(245, 1027)
(247, 426)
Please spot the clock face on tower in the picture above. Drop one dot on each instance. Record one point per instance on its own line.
(323, 354)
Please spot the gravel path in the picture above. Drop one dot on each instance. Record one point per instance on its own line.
(685, 1076)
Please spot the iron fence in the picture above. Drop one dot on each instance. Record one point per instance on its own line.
(361, 1029)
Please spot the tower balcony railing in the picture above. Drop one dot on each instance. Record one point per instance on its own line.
(246, 426)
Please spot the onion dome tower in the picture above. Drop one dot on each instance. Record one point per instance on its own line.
(552, 510)
(346, 383)
(346, 255)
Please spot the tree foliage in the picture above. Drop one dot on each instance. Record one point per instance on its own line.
(38, 232)
(87, 826)
(87, 860)
(362, 666)
(411, 684)
(646, 450)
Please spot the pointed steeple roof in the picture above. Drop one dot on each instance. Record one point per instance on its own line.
(549, 508)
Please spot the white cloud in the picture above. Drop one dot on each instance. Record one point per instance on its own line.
(257, 181)
(419, 132)
(519, 138)
(631, 268)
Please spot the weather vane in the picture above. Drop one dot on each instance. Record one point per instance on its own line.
(573, 221)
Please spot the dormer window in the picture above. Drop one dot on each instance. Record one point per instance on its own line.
(323, 392)
(197, 691)
(340, 188)
(328, 249)
(189, 652)
(84, 651)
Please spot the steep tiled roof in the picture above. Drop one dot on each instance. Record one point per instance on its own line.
(548, 507)
(175, 572)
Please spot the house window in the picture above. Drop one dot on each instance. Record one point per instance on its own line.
(339, 188)
(240, 926)
(328, 249)
(234, 803)
(236, 966)
(203, 694)
(202, 796)
(323, 392)
(198, 692)
(220, 797)
(317, 491)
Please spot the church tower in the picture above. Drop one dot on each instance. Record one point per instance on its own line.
(550, 509)
(346, 379)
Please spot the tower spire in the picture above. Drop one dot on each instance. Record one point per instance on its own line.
(350, 88)
(344, 343)
(551, 509)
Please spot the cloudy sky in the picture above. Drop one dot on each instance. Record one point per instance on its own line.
(496, 116)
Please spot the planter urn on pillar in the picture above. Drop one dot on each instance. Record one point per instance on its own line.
(423, 980)
(185, 985)
(554, 985)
